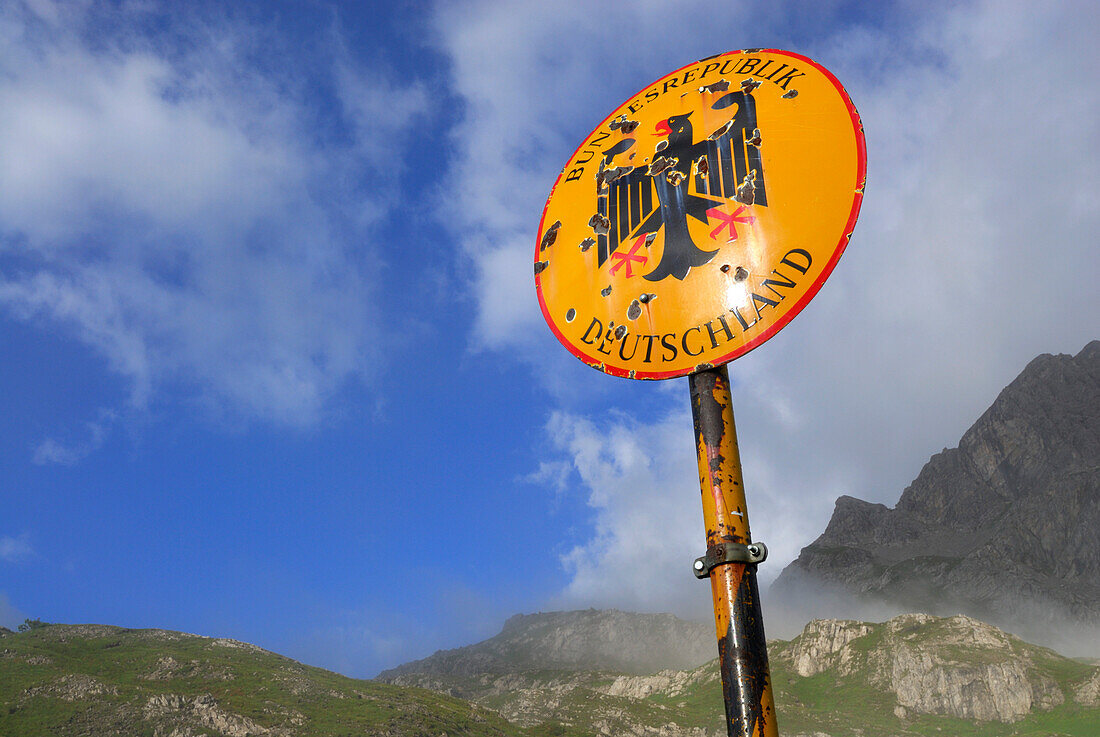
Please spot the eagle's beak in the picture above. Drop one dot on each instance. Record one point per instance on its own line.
(662, 128)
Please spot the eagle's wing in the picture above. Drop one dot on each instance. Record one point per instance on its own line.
(629, 202)
(731, 155)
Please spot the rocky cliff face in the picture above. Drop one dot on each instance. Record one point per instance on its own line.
(1005, 527)
(957, 667)
(608, 640)
(913, 675)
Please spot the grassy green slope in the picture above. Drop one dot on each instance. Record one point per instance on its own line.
(842, 705)
(97, 680)
(850, 706)
(839, 702)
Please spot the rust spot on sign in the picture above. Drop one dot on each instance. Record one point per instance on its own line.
(600, 224)
(720, 132)
(660, 165)
(623, 125)
(746, 193)
(607, 176)
(550, 236)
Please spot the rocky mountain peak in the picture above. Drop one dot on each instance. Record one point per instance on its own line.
(1046, 422)
(1006, 526)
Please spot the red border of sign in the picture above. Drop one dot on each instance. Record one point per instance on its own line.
(811, 292)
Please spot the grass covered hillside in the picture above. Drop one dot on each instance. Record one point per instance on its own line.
(912, 676)
(95, 680)
(915, 675)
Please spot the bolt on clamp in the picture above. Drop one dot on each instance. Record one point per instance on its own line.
(729, 553)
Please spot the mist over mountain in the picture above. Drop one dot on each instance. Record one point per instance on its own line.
(591, 639)
(1005, 527)
(912, 675)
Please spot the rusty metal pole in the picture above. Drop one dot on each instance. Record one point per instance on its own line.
(731, 561)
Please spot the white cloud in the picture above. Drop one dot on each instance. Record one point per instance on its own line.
(170, 203)
(975, 250)
(52, 451)
(15, 549)
(376, 108)
(508, 309)
(533, 84)
(554, 474)
(642, 484)
(10, 617)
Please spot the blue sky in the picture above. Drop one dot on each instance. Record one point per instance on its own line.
(271, 364)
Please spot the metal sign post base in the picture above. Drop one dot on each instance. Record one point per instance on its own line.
(742, 650)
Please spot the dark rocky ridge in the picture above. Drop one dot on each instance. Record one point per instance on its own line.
(1005, 527)
(588, 640)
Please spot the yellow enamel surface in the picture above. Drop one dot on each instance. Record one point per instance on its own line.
(723, 491)
(725, 515)
(812, 158)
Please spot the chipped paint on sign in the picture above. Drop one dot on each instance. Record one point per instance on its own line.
(732, 207)
(742, 646)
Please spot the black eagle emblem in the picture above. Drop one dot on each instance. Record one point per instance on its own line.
(684, 179)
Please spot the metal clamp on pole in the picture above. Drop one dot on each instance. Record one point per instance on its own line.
(729, 553)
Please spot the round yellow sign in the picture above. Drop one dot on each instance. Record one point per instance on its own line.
(702, 215)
